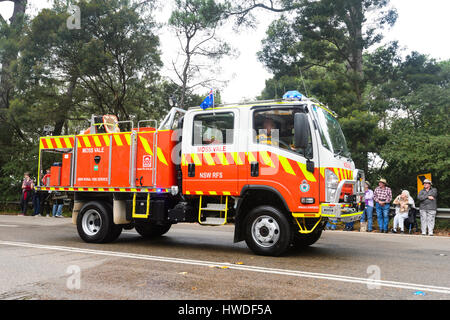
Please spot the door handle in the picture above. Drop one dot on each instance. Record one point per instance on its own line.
(254, 169)
(191, 170)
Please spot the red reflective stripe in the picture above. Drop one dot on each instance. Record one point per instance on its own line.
(44, 143)
(80, 142)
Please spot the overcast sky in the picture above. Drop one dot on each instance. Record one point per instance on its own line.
(422, 26)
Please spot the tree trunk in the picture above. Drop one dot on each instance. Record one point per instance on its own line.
(16, 24)
(66, 105)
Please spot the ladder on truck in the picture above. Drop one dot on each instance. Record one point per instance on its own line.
(220, 209)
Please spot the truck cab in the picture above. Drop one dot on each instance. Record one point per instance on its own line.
(284, 163)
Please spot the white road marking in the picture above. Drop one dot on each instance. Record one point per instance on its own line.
(8, 225)
(295, 273)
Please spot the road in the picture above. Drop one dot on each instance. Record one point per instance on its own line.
(43, 258)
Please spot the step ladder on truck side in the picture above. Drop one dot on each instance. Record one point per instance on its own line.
(218, 210)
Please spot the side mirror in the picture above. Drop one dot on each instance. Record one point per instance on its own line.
(301, 129)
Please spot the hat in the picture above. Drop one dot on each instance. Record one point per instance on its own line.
(383, 180)
(368, 183)
(427, 181)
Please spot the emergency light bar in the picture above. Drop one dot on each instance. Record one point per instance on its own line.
(292, 95)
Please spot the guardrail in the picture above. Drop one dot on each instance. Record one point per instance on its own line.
(441, 213)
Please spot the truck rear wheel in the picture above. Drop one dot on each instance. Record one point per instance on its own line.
(95, 223)
(150, 230)
(267, 231)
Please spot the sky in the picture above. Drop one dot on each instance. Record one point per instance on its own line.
(422, 26)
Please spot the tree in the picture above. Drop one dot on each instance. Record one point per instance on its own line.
(109, 61)
(322, 43)
(329, 31)
(195, 23)
(62, 76)
(413, 101)
(9, 49)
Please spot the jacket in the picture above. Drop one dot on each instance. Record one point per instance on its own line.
(425, 203)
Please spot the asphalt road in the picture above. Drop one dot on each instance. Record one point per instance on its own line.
(43, 258)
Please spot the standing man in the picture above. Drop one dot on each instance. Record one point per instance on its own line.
(428, 205)
(382, 197)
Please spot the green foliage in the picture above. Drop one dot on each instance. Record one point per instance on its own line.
(394, 108)
(62, 76)
(416, 113)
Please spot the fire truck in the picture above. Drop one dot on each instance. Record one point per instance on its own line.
(278, 170)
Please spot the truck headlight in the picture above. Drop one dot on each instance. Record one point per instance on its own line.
(331, 185)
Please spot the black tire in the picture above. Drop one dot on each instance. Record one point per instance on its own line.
(268, 231)
(304, 240)
(95, 223)
(150, 231)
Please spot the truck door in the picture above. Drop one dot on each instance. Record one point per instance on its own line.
(209, 153)
(274, 162)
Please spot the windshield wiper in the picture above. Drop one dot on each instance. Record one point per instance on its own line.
(338, 152)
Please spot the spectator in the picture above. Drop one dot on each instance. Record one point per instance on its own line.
(349, 226)
(58, 203)
(428, 205)
(331, 225)
(368, 209)
(27, 191)
(36, 203)
(382, 197)
(403, 203)
(46, 178)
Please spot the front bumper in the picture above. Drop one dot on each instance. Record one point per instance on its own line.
(342, 212)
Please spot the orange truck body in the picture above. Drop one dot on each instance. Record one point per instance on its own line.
(158, 177)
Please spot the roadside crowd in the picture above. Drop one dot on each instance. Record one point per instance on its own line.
(405, 209)
(41, 200)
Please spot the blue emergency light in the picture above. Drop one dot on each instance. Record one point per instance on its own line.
(292, 95)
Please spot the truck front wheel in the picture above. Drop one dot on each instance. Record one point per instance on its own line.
(268, 231)
(95, 223)
(305, 240)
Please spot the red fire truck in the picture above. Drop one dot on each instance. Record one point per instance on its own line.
(278, 170)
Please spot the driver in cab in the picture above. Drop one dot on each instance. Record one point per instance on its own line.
(265, 135)
(269, 135)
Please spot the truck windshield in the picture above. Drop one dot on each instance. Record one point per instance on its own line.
(330, 132)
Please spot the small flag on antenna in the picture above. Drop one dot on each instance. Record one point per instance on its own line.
(209, 101)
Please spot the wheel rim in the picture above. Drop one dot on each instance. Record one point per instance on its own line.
(91, 222)
(265, 231)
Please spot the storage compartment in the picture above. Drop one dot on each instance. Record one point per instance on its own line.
(55, 174)
(66, 169)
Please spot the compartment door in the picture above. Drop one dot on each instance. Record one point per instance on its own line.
(145, 159)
